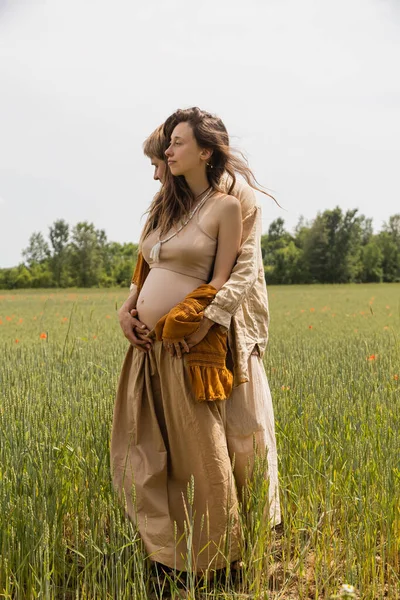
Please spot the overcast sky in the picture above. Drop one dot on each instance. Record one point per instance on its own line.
(308, 89)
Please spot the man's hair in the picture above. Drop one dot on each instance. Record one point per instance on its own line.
(156, 144)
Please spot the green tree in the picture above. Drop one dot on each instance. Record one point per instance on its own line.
(124, 261)
(332, 247)
(336, 247)
(392, 227)
(86, 254)
(372, 258)
(279, 253)
(366, 229)
(315, 250)
(287, 265)
(37, 250)
(390, 256)
(59, 236)
(41, 276)
(277, 236)
(15, 278)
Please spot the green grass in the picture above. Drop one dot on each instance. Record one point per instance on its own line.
(333, 364)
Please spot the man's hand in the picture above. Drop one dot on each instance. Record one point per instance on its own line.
(197, 336)
(177, 347)
(128, 325)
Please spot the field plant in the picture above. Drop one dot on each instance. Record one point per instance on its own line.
(333, 363)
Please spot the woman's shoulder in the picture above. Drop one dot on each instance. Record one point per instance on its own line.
(243, 192)
(227, 208)
(226, 202)
(225, 198)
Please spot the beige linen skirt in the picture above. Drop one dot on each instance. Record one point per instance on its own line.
(170, 462)
(171, 458)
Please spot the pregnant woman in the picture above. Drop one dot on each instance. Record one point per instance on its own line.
(165, 433)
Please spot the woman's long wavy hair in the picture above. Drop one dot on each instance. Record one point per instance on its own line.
(175, 199)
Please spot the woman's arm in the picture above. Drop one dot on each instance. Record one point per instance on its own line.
(229, 239)
(246, 269)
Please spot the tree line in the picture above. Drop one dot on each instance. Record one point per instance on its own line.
(335, 247)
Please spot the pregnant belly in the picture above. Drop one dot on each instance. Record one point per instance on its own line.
(161, 291)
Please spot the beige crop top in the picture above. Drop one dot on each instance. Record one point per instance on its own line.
(191, 252)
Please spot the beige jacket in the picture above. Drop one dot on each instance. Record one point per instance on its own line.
(241, 305)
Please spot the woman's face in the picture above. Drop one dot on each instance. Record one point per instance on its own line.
(184, 154)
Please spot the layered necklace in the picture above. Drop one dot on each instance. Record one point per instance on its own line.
(156, 249)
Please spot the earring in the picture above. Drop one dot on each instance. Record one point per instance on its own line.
(210, 165)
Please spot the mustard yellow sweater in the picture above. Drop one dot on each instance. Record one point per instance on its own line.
(210, 377)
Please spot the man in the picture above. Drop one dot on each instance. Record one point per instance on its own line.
(241, 307)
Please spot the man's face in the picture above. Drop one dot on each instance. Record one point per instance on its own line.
(159, 169)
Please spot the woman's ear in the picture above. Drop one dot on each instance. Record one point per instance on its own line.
(206, 154)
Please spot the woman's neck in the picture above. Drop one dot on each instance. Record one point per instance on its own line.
(198, 182)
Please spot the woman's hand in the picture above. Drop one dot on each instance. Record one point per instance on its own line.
(128, 324)
(140, 329)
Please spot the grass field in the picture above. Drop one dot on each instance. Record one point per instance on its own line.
(333, 363)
